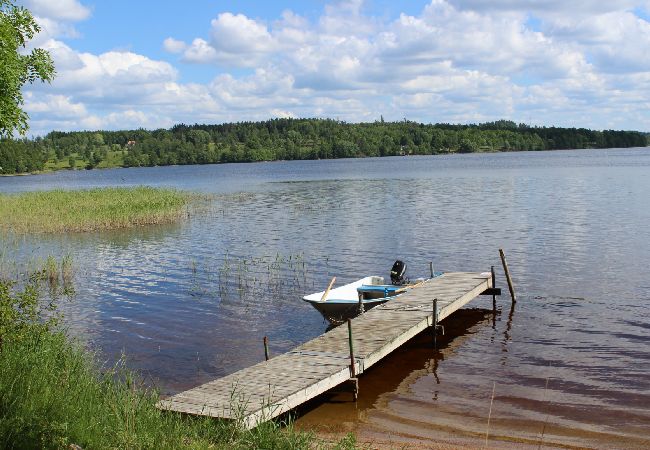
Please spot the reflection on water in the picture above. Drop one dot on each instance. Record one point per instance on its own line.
(192, 301)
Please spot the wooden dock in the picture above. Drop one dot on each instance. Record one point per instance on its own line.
(272, 387)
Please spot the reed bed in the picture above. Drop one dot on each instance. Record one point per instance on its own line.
(61, 211)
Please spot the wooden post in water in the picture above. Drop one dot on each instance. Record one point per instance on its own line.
(266, 348)
(435, 324)
(353, 370)
(494, 297)
(431, 268)
(508, 279)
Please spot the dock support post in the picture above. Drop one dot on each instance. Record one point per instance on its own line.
(494, 297)
(435, 324)
(266, 348)
(353, 370)
(431, 268)
(361, 311)
(508, 279)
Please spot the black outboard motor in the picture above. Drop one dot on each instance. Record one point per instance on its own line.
(398, 273)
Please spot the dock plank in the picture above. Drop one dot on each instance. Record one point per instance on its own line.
(270, 388)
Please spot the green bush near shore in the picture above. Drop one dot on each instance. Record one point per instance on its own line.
(90, 210)
(54, 395)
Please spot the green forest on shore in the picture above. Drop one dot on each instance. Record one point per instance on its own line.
(290, 139)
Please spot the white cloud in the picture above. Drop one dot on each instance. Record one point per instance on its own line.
(60, 106)
(172, 45)
(455, 60)
(239, 34)
(200, 51)
(71, 10)
(235, 40)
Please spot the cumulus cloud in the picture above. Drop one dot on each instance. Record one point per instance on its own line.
(455, 60)
(71, 10)
(235, 40)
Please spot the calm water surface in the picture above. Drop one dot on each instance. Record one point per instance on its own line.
(190, 302)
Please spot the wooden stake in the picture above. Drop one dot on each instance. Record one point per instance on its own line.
(431, 268)
(353, 370)
(435, 323)
(327, 291)
(361, 311)
(266, 348)
(494, 297)
(508, 279)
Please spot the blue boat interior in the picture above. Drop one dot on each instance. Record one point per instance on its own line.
(369, 291)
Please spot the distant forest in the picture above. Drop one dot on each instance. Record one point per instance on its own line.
(288, 139)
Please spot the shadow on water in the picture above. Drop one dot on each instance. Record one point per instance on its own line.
(413, 360)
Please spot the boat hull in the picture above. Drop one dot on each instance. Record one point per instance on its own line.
(338, 311)
(342, 303)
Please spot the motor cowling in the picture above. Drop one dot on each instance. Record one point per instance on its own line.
(398, 273)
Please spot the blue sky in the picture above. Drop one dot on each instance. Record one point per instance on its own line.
(154, 64)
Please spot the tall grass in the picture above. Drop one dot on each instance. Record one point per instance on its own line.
(53, 394)
(90, 210)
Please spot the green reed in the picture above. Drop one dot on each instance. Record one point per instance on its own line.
(263, 274)
(54, 394)
(90, 210)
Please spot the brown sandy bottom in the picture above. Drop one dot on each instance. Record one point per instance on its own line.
(398, 422)
(390, 426)
(411, 400)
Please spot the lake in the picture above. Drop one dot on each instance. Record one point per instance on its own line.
(189, 302)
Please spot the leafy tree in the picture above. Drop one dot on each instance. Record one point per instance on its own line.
(17, 27)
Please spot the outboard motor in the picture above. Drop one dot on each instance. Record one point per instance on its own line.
(398, 273)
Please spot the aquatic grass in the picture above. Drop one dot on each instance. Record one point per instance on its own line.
(261, 275)
(90, 210)
(54, 394)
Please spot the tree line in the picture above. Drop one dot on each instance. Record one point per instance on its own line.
(291, 139)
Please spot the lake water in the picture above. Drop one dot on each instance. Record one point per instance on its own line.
(190, 302)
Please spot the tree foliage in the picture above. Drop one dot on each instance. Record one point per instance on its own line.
(17, 28)
(288, 139)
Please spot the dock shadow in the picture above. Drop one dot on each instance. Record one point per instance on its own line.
(414, 359)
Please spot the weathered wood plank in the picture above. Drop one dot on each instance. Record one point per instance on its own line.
(272, 387)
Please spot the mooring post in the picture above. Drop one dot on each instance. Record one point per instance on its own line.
(494, 297)
(361, 303)
(431, 268)
(353, 370)
(508, 279)
(266, 348)
(435, 323)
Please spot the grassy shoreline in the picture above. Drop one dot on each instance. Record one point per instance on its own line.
(61, 211)
(55, 394)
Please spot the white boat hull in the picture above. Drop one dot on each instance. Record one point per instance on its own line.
(343, 302)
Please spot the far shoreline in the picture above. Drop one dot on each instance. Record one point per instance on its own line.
(68, 169)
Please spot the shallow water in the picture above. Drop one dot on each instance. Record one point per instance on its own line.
(190, 302)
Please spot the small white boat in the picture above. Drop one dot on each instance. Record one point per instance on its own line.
(342, 302)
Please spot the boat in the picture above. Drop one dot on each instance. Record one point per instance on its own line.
(342, 302)
(347, 301)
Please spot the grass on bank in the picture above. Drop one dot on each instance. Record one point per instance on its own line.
(90, 210)
(77, 161)
(53, 394)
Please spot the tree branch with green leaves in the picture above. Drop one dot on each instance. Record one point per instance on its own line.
(17, 66)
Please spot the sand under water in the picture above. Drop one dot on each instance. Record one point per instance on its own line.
(416, 399)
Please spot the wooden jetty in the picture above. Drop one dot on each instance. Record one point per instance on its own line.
(270, 388)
